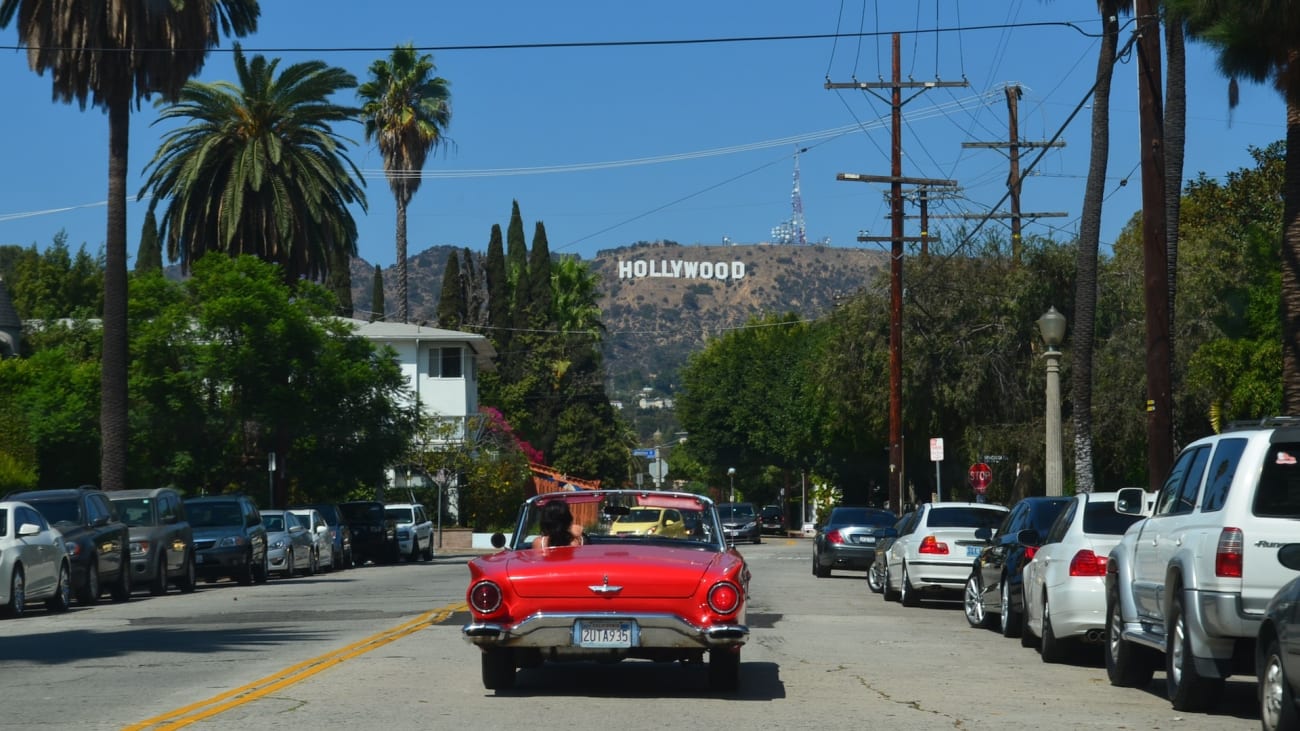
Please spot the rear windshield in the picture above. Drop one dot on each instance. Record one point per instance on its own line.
(739, 511)
(363, 511)
(965, 517)
(1101, 518)
(861, 516)
(59, 511)
(135, 512)
(401, 515)
(1278, 494)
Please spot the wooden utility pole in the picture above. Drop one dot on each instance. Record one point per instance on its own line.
(1013, 146)
(1160, 436)
(896, 239)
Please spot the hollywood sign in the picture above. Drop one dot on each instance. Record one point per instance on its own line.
(681, 269)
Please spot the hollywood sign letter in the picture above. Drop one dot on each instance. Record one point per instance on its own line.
(680, 269)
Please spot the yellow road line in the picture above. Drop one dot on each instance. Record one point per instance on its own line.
(181, 717)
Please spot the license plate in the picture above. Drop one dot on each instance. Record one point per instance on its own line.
(973, 551)
(867, 540)
(618, 633)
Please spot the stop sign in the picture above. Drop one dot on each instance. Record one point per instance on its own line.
(980, 477)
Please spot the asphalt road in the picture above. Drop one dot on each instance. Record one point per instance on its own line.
(380, 647)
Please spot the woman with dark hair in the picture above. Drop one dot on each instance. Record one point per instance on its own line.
(557, 526)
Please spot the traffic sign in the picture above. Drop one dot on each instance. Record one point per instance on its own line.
(658, 469)
(936, 449)
(980, 477)
(649, 453)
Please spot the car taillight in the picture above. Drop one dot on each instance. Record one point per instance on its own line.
(1029, 553)
(724, 597)
(834, 537)
(1087, 563)
(1228, 556)
(930, 544)
(485, 597)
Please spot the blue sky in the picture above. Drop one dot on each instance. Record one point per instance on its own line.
(690, 142)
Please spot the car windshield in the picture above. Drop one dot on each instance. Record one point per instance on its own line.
(401, 515)
(628, 516)
(965, 517)
(731, 513)
(274, 522)
(373, 512)
(1101, 518)
(214, 515)
(861, 516)
(331, 517)
(4, 522)
(135, 511)
(59, 511)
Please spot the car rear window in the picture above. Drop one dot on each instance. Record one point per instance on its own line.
(4, 522)
(401, 515)
(1278, 494)
(59, 511)
(965, 518)
(860, 516)
(363, 511)
(1101, 519)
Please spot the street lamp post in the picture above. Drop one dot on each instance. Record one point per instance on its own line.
(731, 475)
(1052, 327)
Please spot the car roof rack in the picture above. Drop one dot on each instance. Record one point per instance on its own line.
(1265, 422)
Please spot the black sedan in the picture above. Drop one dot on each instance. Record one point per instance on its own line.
(847, 541)
(1277, 650)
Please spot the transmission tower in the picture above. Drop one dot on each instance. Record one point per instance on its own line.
(796, 204)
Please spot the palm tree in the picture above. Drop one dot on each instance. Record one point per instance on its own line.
(257, 169)
(576, 290)
(116, 54)
(406, 110)
(1260, 41)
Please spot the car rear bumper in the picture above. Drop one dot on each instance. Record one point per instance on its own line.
(556, 632)
(1078, 609)
(850, 558)
(931, 574)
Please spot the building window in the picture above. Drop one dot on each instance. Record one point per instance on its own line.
(445, 363)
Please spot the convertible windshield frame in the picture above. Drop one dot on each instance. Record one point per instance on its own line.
(598, 511)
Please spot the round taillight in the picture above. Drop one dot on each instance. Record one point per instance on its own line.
(724, 597)
(485, 597)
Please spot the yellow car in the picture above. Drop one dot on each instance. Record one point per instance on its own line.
(665, 522)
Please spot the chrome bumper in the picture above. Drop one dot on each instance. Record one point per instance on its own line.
(556, 631)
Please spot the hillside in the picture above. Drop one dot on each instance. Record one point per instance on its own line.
(663, 301)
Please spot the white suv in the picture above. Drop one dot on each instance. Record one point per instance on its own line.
(414, 529)
(1191, 581)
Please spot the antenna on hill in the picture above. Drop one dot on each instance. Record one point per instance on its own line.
(794, 230)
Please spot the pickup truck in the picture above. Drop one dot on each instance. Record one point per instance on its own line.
(1189, 583)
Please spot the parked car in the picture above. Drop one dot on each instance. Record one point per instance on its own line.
(1277, 651)
(772, 518)
(847, 541)
(162, 541)
(290, 546)
(650, 522)
(740, 522)
(885, 539)
(98, 544)
(340, 534)
(414, 530)
(1190, 584)
(229, 538)
(1065, 583)
(613, 597)
(34, 563)
(321, 535)
(374, 533)
(996, 582)
(934, 559)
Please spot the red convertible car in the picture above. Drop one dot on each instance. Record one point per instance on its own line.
(667, 596)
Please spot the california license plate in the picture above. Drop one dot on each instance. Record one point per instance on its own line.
(973, 551)
(604, 633)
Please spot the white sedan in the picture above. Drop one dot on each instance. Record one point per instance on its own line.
(1065, 583)
(935, 557)
(33, 561)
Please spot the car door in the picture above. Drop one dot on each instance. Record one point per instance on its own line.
(1159, 535)
(40, 553)
(173, 544)
(992, 560)
(104, 530)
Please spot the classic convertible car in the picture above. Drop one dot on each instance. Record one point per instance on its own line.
(618, 595)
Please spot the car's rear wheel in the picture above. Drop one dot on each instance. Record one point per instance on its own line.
(973, 604)
(818, 570)
(288, 564)
(121, 590)
(415, 550)
(1127, 665)
(1276, 699)
(62, 598)
(313, 563)
(1009, 619)
(724, 669)
(890, 594)
(1188, 690)
(262, 569)
(907, 595)
(1050, 648)
(17, 593)
(88, 593)
(189, 580)
(875, 582)
(428, 551)
(498, 668)
(158, 585)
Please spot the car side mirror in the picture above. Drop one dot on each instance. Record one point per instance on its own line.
(498, 540)
(28, 529)
(1131, 501)
(1028, 537)
(984, 534)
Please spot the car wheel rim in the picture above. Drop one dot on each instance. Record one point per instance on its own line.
(19, 592)
(974, 610)
(1005, 617)
(1271, 693)
(1176, 652)
(1113, 632)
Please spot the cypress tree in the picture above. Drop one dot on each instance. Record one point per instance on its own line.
(149, 256)
(517, 261)
(539, 280)
(498, 290)
(377, 295)
(471, 289)
(339, 281)
(451, 302)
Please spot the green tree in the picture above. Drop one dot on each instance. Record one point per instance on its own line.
(339, 282)
(406, 110)
(498, 290)
(55, 284)
(539, 281)
(90, 59)
(257, 169)
(377, 295)
(517, 262)
(148, 257)
(451, 301)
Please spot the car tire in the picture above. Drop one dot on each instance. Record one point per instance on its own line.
(724, 669)
(973, 603)
(17, 593)
(262, 570)
(428, 550)
(158, 585)
(247, 576)
(313, 563)
(121, 590)
(1009, 620)
(758, 539)
(62, 598)
(88, 593)
(289, 569)
(1127, 665)
(189, 580)
(890, 594)
(498, 668)
(818, 570)
(907, 595)
(875, 582)
(415, 550)
(1050, 648)
(1188, 690)
(1276, 699)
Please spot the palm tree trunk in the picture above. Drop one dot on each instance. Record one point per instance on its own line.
(1085, 295)
(113, 402)
(1291, 245)
(402, 314)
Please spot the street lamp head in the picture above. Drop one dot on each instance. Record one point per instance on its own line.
(731, 471)
(1052, 327)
